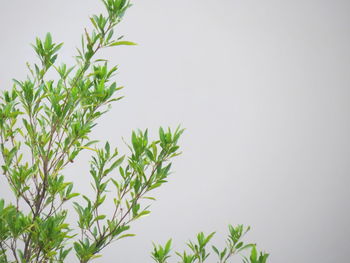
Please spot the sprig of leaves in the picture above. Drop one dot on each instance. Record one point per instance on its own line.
(199, 254)
(146, 168)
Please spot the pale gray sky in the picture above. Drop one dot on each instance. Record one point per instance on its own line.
(262, 88)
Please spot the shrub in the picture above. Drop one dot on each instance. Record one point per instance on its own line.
(45, 124)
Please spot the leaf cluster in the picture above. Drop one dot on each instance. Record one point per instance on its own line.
(198, 249)
(145, 169)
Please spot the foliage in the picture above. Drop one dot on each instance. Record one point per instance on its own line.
(199, 254)
(45, 124)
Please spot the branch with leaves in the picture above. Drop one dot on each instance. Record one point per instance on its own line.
(146, 169)
(198, 249)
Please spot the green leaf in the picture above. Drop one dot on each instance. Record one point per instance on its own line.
(122, 43)
(126, 235)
